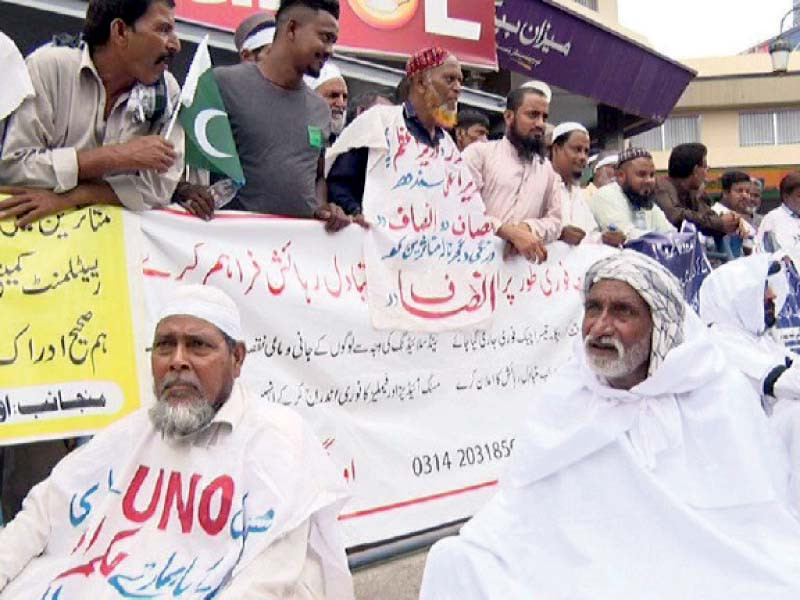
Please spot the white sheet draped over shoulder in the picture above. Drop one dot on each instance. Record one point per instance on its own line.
(732, 304)
(131, 515)
(674, 489)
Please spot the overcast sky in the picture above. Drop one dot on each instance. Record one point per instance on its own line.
(696, 28)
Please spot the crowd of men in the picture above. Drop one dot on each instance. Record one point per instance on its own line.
(663, 461)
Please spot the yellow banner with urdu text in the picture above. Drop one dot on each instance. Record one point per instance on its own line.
(67, 344)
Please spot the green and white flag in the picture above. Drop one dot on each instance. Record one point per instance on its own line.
(209, 139)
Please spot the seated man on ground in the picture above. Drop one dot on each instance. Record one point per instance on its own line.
(626, 205)
(645, 469)
(93, 134)
(740, 301)
(208, 492)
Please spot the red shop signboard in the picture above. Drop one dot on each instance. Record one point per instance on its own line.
(393, 28)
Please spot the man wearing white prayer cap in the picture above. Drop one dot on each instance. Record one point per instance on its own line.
(605, 170)
(645, 469)
(569, 153)
(330, 84)
(541, 87)
(740, 302)
(209, 493)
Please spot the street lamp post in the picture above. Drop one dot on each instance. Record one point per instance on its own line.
(780, 49)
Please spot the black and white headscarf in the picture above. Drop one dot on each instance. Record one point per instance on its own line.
(659, 288)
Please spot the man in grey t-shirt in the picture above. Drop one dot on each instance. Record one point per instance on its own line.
(279, 124)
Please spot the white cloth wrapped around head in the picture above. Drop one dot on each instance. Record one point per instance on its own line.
(660, 290)
(208, 303)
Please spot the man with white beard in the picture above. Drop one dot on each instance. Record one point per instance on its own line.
(740, 302)
(644, 470)
(333, 88)
(206, 494)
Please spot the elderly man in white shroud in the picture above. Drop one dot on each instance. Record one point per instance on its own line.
(740, 301)
(205, 495)
(645, 469)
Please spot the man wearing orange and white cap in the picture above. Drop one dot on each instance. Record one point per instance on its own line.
(432, 107)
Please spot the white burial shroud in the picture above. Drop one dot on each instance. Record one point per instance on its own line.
(131, 515)
(674, 489)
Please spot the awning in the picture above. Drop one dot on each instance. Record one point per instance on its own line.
(549, 42)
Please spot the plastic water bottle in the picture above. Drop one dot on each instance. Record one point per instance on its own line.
(223, 191)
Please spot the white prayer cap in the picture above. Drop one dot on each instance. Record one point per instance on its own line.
(259, 39)
(568, 127)
(541, 87)
(611, 159)
(329, 71)
(205, 302)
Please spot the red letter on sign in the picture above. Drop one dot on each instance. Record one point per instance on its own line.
(185, 509)
(129, 501)
(226, 487)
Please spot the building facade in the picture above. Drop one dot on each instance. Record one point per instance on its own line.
(747, 116)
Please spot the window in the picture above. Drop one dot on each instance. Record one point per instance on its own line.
(769, 128)
(592, 4)
(674, 131)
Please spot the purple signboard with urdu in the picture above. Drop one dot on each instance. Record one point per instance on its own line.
(551, 43)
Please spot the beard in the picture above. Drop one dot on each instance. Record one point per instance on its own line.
(181, 418)
(444, 116)
(626, 361)
(528, 147)
(337, 124)
(638, 200)
(770, 316)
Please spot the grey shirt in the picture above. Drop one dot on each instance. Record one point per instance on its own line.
(280, 135)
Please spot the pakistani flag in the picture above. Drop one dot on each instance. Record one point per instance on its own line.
(209, 139)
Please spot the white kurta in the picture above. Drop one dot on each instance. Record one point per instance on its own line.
(668, 491)
(780, 229)
(576, 212)
(247, 509)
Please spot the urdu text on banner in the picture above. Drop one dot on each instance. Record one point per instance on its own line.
(68, 355)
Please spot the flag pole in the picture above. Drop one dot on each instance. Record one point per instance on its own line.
(173, 118)
(189, 84)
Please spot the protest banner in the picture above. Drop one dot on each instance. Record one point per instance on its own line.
(68, 356)
(431, 255)
(419, 424)
(683, 254)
